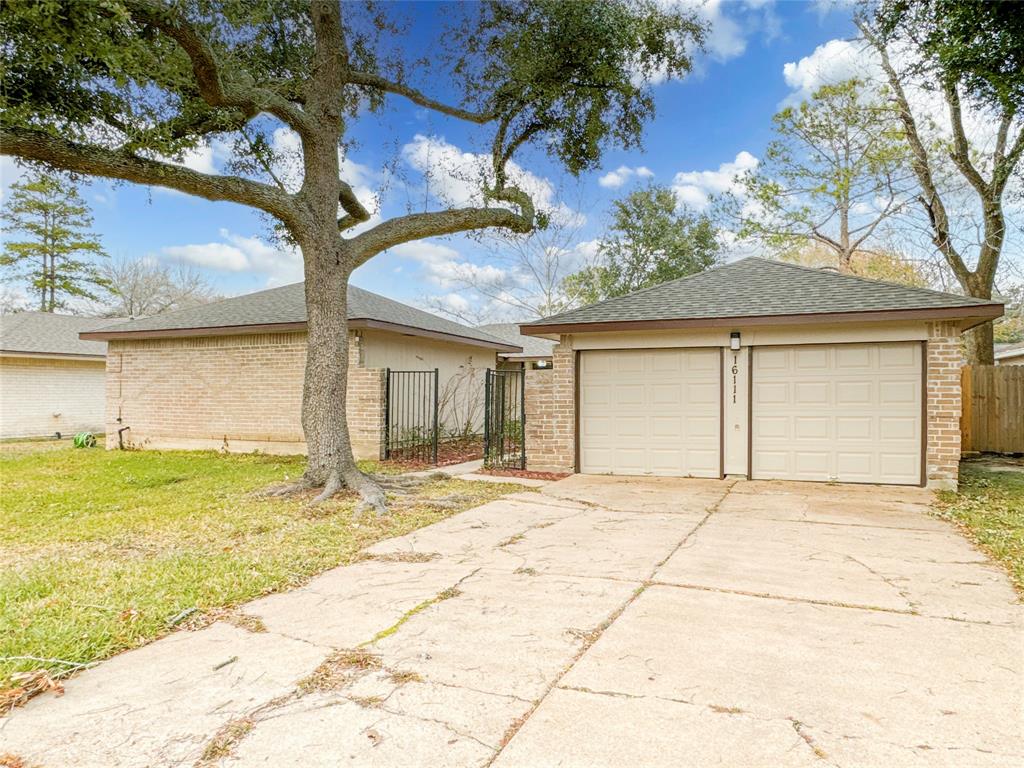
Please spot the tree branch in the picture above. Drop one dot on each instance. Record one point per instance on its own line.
(115, 164)
(214, 87)
(416, 97)
(421, 225)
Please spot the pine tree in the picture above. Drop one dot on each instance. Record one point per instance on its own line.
(55, 255)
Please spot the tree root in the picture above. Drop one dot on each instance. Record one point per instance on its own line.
(302, 485)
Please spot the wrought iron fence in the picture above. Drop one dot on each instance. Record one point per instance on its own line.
(410, 416)
(505, 419)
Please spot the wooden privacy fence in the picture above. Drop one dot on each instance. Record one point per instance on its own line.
(993, 408)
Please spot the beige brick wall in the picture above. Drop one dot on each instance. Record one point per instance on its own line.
(551, 412)
(238, 393)
(943, 404)
(42, 396)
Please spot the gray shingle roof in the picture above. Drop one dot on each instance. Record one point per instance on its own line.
(44, 333)
(287, 304)
(1009, 350)
(532, 345)
(756, 287)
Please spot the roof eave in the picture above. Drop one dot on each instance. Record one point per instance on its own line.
(295, 327)
(975, 315)
(62, 355)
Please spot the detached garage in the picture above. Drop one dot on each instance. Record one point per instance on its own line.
(757, 369)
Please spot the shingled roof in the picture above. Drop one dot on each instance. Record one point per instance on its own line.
(531, 345)
(756, 289)
(45, 333)
(284, 309)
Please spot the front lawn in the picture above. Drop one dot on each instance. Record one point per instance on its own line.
(102, 550)
(989, 507)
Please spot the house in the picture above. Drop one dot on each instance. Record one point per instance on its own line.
(535, 352)
(50, 380)
(756, 369)
(229, 374)
(1010, 354)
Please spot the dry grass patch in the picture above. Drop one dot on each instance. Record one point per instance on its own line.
(339, 669)
(224, 741)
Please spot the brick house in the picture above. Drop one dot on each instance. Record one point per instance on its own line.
(50, 380)
(757, 369)
(229, 374)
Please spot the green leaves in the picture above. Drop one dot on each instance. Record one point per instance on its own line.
(649, 242)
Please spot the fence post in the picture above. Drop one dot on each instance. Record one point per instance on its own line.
(966, 408)
(487, 417)
(437, 426)
(522, 416)
(387, 413)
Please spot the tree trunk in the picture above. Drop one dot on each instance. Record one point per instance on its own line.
(330, 462)
(979, 345)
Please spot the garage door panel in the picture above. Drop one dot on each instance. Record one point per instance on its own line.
(663, 407)
(857, 419)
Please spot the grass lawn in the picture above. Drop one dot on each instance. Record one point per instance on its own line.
(989, 507)
(100, 549)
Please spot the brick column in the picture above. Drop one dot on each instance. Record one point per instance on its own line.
(551, 412)
(364, 405)
(944, 361)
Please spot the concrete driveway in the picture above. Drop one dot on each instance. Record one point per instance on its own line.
(597, 622)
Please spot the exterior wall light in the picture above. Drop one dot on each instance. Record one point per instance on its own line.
(734, 340)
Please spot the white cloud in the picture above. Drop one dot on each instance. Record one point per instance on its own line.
(237, 253)
(457, 178)
(695, 188)
(830, 63)
(622, 174)
(444, 266)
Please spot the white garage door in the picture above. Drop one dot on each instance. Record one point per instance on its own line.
(843, 412)
(650, 412)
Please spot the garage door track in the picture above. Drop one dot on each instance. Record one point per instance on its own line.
(598, 622)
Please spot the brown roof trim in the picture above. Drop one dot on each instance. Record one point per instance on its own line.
(238, 330)
(216, 330)
(984, 311)
(63, 355)
(410, 330)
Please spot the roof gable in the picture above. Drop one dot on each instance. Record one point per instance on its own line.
(756, 287)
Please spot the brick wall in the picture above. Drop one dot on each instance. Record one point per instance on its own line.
(41, 396)
(944, 361)
(551, 412)
(234, 392)
(364, 403)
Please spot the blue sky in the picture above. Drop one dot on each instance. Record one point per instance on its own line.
(703, 124)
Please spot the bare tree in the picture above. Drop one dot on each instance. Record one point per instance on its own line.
(144, 287)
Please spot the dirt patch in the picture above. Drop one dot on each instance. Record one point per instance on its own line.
(448, 452)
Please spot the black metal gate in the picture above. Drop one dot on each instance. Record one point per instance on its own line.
(505, 419)
(410, 416)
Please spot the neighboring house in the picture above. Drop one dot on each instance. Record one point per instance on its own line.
(1010, 354)
(50, 380)
(535, 352)
(229, 374)
(756, 369)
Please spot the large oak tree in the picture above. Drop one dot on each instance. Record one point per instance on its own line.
(115, 88)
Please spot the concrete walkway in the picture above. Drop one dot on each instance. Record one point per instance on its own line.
(597, 622)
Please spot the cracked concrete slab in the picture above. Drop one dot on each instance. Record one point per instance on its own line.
(848, 675)
(325, 731)
(671, 495)
(465, 537)
(158, 705)
(504, 633)
(598, 543)
(579, 729)
(934, 572)
(348, 606)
